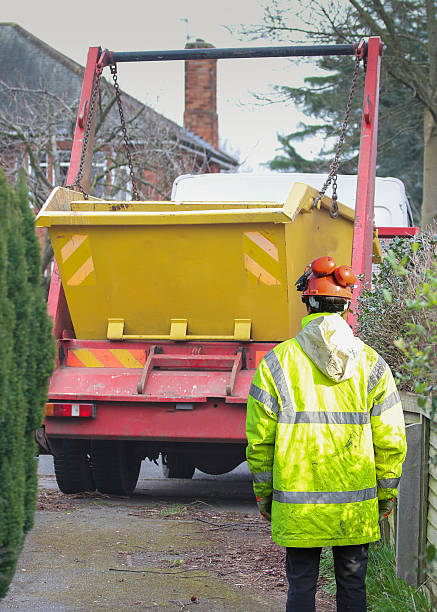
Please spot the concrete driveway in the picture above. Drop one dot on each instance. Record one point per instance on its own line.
(108, 553)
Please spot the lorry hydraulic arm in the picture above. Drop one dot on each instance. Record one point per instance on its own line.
(363, 225)
(369, 52)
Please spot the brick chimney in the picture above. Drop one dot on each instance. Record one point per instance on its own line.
(200, 116)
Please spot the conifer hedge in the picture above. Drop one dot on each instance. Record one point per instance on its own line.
(26, 363)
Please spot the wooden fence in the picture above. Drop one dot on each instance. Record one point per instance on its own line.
(414, 528)
(431, 534)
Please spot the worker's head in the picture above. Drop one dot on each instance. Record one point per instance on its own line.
(326, 287)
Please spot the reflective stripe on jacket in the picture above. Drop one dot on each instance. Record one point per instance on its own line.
(325, 440)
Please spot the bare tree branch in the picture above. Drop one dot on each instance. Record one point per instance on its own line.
(36, 132)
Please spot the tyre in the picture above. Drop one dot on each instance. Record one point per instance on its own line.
(115, 467)
(175, 465)
(219, 463)
(72, 467)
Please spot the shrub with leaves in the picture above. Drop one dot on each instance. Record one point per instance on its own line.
(398, 315)
(27, 359)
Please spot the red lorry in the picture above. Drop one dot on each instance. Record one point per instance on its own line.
(162, 311)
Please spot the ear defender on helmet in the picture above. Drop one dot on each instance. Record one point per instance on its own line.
(345, 276)
(324, 278)
(323, 266)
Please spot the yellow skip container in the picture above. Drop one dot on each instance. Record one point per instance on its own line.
(201, 271)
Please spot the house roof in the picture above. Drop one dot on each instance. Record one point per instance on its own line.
(29, 62)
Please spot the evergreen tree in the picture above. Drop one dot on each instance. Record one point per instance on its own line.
(400, 138)
(408, 103)
(7, 322)
(26, 354)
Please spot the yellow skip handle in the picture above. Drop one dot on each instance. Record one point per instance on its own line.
(178, 331)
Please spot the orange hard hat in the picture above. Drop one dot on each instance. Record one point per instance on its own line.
(324, 278)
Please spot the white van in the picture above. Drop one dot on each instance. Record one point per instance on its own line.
(392, 208)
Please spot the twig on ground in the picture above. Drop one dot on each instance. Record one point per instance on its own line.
(260, 576)
(217, 526)
(183, 605)
(144, 571)
(176, 601)
(209, 522)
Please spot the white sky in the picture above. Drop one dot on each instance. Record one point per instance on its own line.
(245, 127)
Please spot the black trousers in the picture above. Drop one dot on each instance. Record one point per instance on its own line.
(350, 563)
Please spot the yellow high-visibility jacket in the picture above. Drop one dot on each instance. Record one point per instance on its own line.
(326, 435)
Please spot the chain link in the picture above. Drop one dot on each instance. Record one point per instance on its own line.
(127, 145)
(86, 136)
(90, 115)
(333, 170)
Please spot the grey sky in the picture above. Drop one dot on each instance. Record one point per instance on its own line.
(72, 27)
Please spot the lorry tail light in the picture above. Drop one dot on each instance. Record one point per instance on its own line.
(53, 409)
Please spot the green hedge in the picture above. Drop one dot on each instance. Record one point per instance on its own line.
(398, 315)
(26, 363)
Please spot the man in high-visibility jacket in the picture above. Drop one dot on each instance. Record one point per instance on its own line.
(326, 442)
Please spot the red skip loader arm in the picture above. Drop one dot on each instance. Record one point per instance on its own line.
(363, 226)
(84, 106)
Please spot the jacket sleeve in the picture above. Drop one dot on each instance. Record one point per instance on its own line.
(388, 429)
(261, 420)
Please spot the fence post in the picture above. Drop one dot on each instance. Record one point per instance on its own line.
(412, 500)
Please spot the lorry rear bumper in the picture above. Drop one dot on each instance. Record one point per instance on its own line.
(212, 421)
(169, 392)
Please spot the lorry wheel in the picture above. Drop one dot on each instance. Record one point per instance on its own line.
(176, 465)
(72, 468)
(213, 463)
(115, 467)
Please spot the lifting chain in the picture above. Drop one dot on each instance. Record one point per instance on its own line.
(90, 115)
(127, 145)
(332, 176)
(86, 136)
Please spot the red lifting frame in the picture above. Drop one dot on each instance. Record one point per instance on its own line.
(85, 99)
(363, 228)
(362, 244)
(392, 232)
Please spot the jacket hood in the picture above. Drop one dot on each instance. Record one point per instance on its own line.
(329, 342)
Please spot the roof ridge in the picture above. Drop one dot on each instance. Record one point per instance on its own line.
(54, 53)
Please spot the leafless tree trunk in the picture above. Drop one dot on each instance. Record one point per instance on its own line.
(429, 204)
